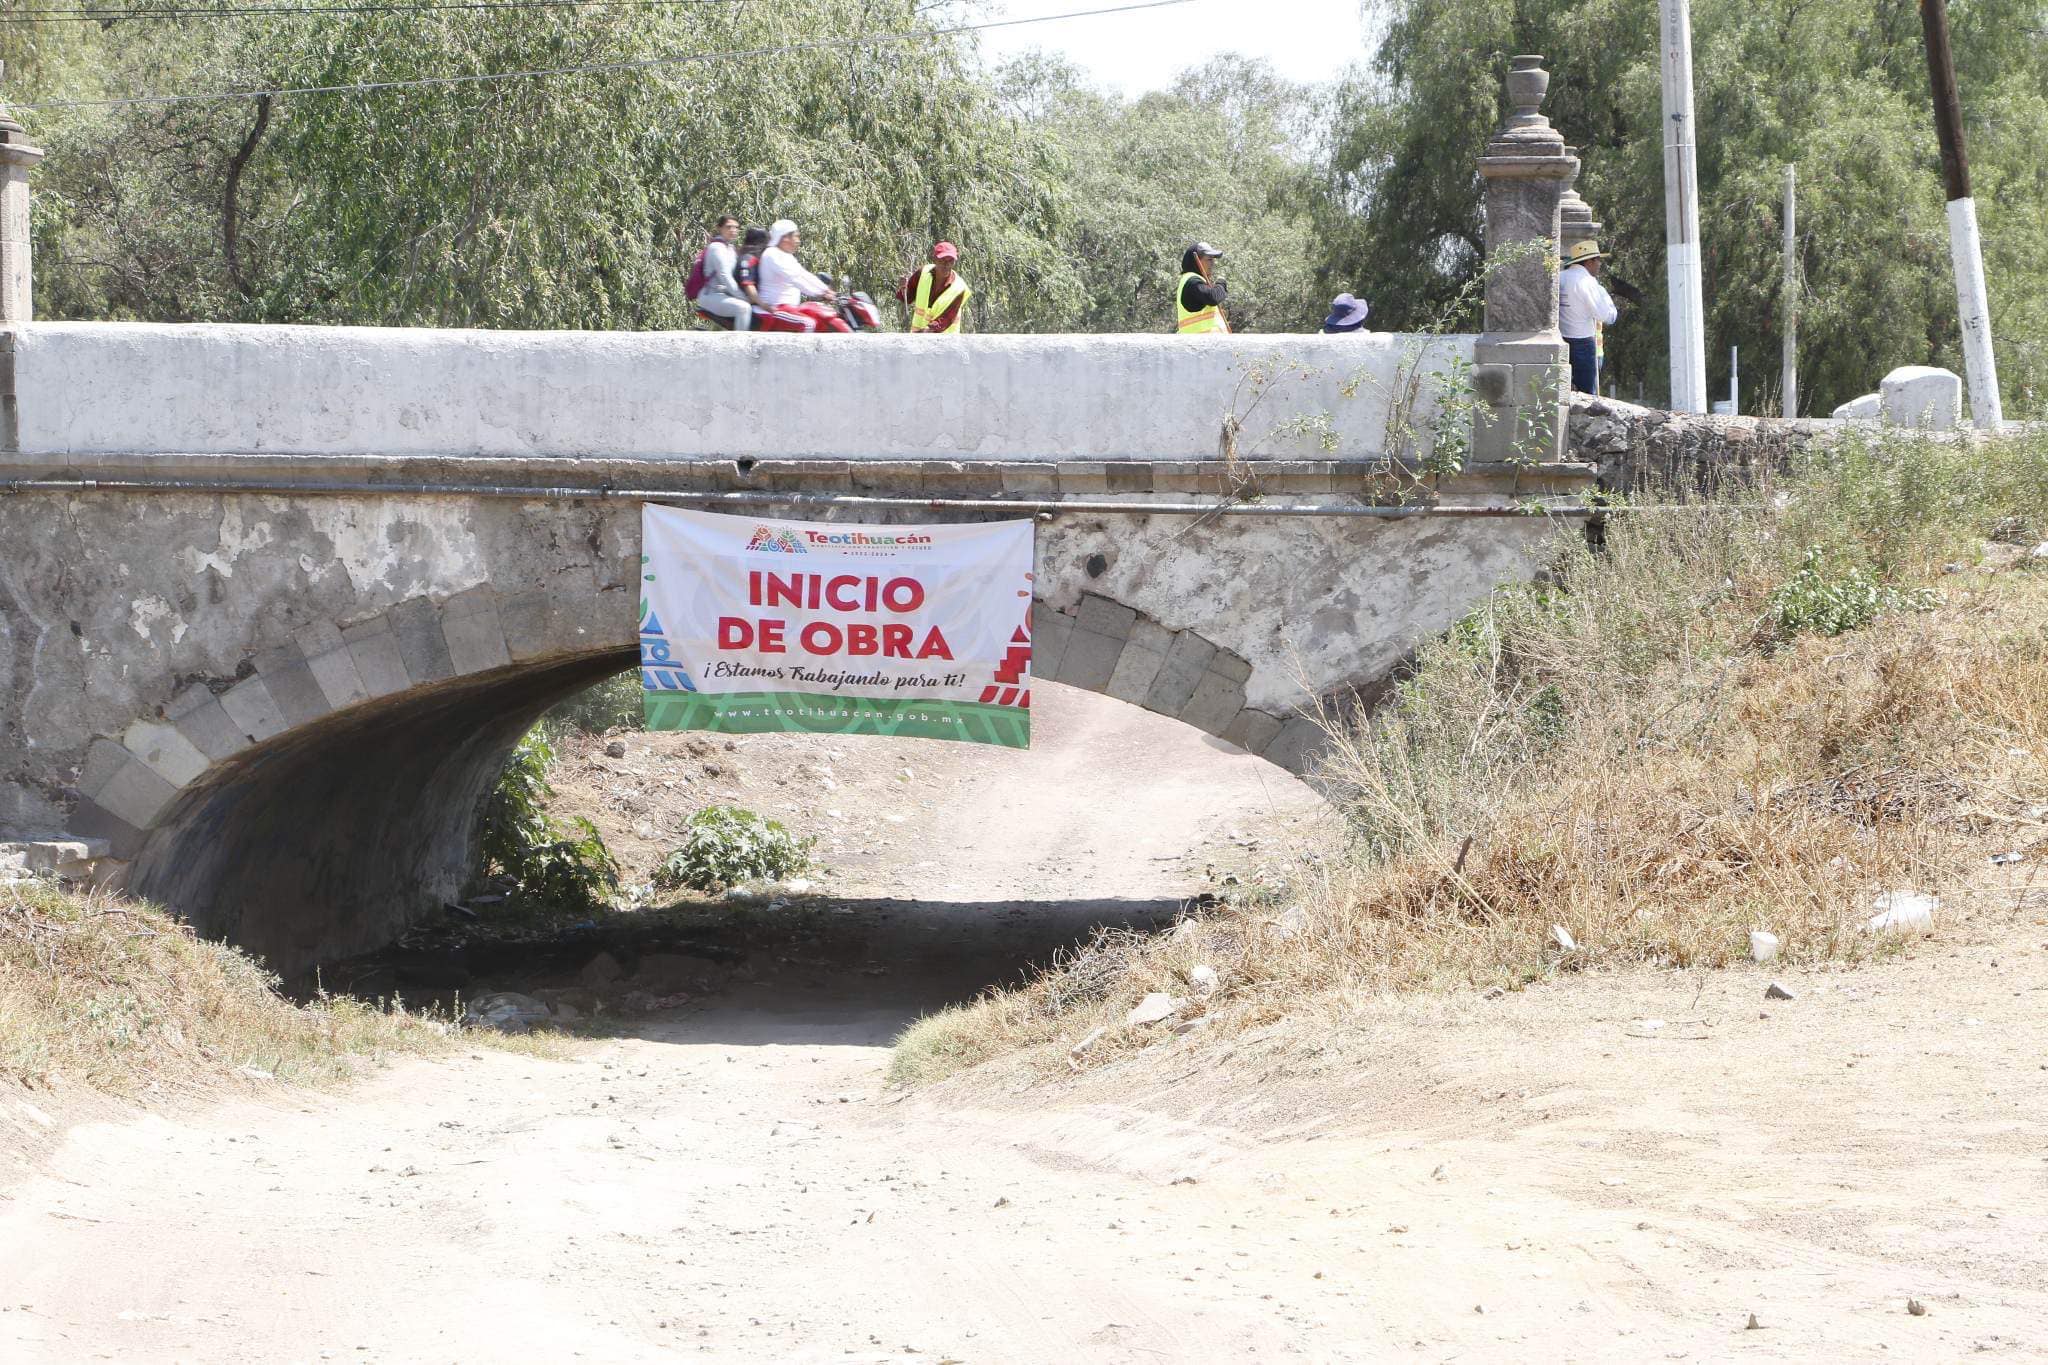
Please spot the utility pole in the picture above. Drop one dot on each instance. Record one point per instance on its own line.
(1965, 250)
(1682, 214)
(17, 290)
(1788, 307)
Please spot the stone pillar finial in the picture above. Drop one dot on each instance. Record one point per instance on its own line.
(16, 157)
(1520, 362)
(1528, 83)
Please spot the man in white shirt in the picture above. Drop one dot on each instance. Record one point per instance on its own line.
(1583, 308)
(786, 286)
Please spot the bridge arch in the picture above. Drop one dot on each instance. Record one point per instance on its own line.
(195, 675)
(280, 714)
(326, 794)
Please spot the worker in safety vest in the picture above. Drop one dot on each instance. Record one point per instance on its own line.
(936, 294)
(1198, 299)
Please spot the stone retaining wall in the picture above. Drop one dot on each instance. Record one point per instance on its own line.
(1638, 449)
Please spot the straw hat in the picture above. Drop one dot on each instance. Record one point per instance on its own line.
(1584, 251)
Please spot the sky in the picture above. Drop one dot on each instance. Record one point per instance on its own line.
(1145, 50)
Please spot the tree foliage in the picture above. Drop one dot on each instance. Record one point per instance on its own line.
(1838, 87)
(577, 201)
(566, 201)
(1222, 156)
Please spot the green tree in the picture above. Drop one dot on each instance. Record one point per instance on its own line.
(565, 201)
(1222, 156)
(577, 200)
(1836, 86)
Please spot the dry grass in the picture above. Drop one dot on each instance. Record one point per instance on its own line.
(117, 996)
(1636, 752)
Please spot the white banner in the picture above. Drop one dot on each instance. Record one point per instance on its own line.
(749, 625)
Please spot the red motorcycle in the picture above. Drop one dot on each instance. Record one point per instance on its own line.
(852, 311)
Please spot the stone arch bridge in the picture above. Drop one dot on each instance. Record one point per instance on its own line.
(276, 602)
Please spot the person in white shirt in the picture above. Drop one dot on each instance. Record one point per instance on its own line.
(788, 288)
(1584, 307)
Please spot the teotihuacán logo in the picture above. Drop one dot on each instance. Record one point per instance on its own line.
(779, 542)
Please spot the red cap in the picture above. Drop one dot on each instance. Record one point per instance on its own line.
(946, 251)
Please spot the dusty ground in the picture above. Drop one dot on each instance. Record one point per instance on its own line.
(925, 818)
(1617, 1168)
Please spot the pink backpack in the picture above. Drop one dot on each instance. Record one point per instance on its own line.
(694, 286)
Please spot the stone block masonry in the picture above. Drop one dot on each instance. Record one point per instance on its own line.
(281, 713)
(1647, 449)
(1104, 646)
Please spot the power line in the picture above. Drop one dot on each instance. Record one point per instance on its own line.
(95, 16)
(597, 68)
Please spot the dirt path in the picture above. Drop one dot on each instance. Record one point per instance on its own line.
(1615, 1169)
(1109, 803)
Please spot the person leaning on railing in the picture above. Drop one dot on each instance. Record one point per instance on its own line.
(936, 293)
(1198, 299)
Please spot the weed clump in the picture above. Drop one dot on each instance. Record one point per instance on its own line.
(725, 846)
(1821, 600)
(567, 869)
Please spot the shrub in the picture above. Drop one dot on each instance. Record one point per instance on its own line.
(726, 845)
(1819, 600)
(573, 870)
(514, 819)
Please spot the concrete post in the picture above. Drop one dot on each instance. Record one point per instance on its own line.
(1520, 368)
(16, 156)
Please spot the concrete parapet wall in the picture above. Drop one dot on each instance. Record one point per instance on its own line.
(135, 389)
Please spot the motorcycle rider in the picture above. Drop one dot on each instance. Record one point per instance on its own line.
(721, 295)
(747, 270)
(794, 295)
